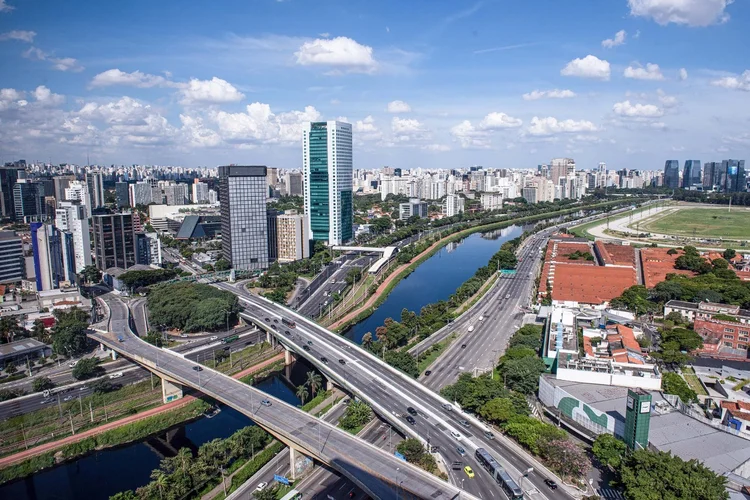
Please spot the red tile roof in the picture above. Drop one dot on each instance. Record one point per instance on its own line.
(657, 263)
(590, 284)
(616, 255)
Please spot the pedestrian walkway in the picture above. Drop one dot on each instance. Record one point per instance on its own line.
(610, 493)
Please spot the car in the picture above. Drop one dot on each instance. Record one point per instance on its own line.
(460, 451)
(305, 348)
(261, 486)
(73, 363)
(333, 281)
(309, 342)
(465, 423)
(457, 465)
(265, 402)
(469, 472)
(46, 393)
(83, 388)
(427, 373)
(455, 435)
(115, 375)
(489, 435)
(481, 318)
(471, 328)
(411, 411)
(67, 398)
(410, 419)
(214, 337)
(198, 368)
(48, 401)
(120, 339)
(342, 361)
(288, 332)
(550, 484)
(275, 320)
(183, 335)
(507, 295)
(448, 407)
(268, 320)
(324, 360)
(463, 346)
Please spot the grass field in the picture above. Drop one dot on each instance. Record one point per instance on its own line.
(703, 222)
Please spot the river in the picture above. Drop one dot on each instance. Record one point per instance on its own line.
(436, 278)
(101, 474)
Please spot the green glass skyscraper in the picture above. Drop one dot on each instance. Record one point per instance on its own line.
(327, 168)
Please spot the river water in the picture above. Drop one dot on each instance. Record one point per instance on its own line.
(436, 278)
(99, 475)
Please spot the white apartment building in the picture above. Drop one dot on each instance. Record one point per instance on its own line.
(453, 205)
(70, 216)
(293, 242)
(200, 192)
(491, 201)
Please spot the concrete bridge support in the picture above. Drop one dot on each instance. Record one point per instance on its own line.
(170, 391)
(112, 354)
(298, 463)
(289, 357)
(271, 339)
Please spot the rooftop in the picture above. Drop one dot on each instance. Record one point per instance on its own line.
(21, 346)
(590, 284)
(616, 255)
(657, 263)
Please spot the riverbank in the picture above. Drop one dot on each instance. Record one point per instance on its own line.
(381, 293)
(116, 433)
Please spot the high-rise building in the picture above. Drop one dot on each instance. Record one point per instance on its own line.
(61, 183)
(411, 208)
(79, 191)
(327, 170)
(200, 192)
(711, 175)
(273, 235)
(213, 197)
(148, 249)
(176, 194)
(453, 205)
(122, 194)
(140, 194)
(691, 174)
(8, 179)
(561, 167)
(53, 256)
(114, 240)
(95, 183)
(672, 174)
(28, 200)
(293, 182)
(293, 243)
(12, 263)
(244, 225)
(70, 216)
(732, 176)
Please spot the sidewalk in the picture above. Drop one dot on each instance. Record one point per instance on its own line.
(37, 450)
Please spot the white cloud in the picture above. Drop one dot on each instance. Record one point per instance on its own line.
(258, 125)
(4, 7)
(683, 74)
(588, 67)
(46, 97)
(494, 121)
(735, 82)
(213, 91)
(366, 130)
(11, 94)
(548, 94)
(668, 101)
(550, 126)
(23, 36)
(340, 52)
(628, 110)
(196, 134)
(650, 72)
(436, 147)
(689, 12)
(134, 79)
(398, 107)
(619, 39)
(58, 63)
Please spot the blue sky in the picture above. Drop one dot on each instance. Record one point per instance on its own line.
(424, 83)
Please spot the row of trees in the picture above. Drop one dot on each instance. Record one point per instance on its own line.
(191, 307)
(648, 475)
(136, 280)
(184, 475)
(521, 365)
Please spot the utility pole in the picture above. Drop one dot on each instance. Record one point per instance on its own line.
(72, 430)
(91, 409)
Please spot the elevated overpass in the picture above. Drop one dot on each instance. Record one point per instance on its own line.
(378, 473)
(390, 392)
(388, 253)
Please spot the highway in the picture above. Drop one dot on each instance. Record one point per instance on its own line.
(390, 393)
(380, 474)
(316, 301)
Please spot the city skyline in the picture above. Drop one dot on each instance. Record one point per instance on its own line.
(473, 84)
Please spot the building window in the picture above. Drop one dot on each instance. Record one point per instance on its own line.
(741, 346)
(728, 344)
(730, 337)
(729, 330)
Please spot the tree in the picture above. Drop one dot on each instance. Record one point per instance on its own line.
(566, 457)
(102, 386)
(90, 274)
(671, 251)
(40, 384)
(522, 374)
(8, 394)
(412, 449)
(672, 383)
(367, 340)
(10, 368)
(314, 381)
(646, 475)
(403, 361)
(302, 393)
(39, 331)
(269, 493)
(529, 336)
(69, 332)
(675, 317)
(154, 338)
(609, 450)
(10, 329)
(729, 254)
(221, 265)
(357, 414)
(498, 410)
(161, 480)
(87, 368)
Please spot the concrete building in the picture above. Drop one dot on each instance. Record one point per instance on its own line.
(293, 241)
(70, 216)
(148, 249)
(327, 169)
(79, 191)
(491, 201)
(176, 194)
(12, 262)
(561, 167)
(411, 208)
(453, 205)
(95, 184)
(293, 183)
(114, 240)
(28, 201)
(53, 254)
(140, 193)
(244, 225)
(692, 311)
(691, 174)
(200, 192)
(61, 183)
(272, 234)
(8, 179)
(122, 195)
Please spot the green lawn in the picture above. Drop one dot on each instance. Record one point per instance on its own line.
(692, 380)
(703, 222)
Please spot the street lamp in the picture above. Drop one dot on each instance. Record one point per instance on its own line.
(525, 474)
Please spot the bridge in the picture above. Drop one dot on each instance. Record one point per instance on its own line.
(379, 474)
(388, 253)
(389, 392)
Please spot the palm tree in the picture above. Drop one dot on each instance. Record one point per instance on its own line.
(302, 393)
(161, 481)
(367, 340)
(314, 380)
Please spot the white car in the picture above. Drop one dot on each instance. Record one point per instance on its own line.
(455, 435)
(73, 363)
(215, 337)
(471, 328)
(115, 375)
(481, 318)
(261, 486)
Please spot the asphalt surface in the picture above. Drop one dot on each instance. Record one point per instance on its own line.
(318, 298)
(380, 473)
(390, 393)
